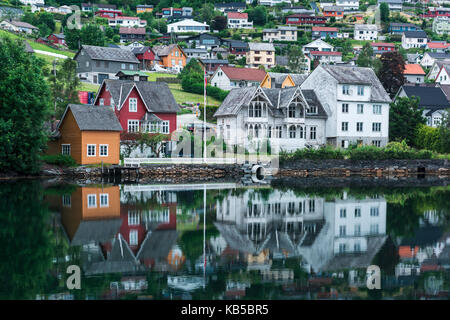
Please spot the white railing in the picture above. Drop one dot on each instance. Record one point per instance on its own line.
(137, 162)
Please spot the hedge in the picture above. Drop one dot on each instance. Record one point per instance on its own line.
(59, 160)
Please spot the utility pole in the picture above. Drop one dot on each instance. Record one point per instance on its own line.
(54, 95)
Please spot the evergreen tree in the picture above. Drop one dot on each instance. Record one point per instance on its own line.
(404, 119)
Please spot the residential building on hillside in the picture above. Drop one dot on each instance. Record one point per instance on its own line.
(304, 19)
(261, 54)
(282, 80)
(123, 21)
(204, 41)
(334, 11)
(172, 56)
(317, 45)
(196, 53)
(176, 13)
(89, 7)
(349, 5)
(432, 100)
(394, 5)
(18, 26)
(272, 3)
(436, 68)
(326, 56)
(227, 78)
(238, 20)
(89, 134)
(128, 34)
(31, 2)
(230, 7)
(298, 9)
(400, 27)
(188, 25)
(238, 48)
(366, 32)
(429, 58)
(356, 103)
(438, 46)
(441, 25)
(414, 39)
(443, 77)
(324, 32)
(142, 8)
(414, 73)
(381, 47)
(57, 39)
(146, 57)
(140, 106)
(211, 65)
(95, 64)
(281, 33)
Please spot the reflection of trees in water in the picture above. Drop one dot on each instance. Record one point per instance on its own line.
(25, 240)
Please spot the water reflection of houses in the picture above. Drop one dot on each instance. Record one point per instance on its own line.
(342, 233)
(121, 232)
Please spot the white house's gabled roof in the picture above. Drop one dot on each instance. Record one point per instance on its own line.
(188, 23)
(259, 46)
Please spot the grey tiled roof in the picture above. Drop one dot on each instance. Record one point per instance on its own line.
(93, 118)
(96, 230)
(259, 46)
(298, 78)
(156, 95)
(415, 34)
(358, 75)
(278, 97)
(157, 244)
(163, 51)
(110, 54)
(280, 77)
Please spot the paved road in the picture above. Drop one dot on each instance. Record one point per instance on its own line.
(56, 55)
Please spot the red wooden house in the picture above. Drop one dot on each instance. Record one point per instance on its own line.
(140, 106)
(304, 19)
(57, 39)
(146, 56)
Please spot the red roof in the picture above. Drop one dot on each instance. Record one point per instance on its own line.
(237, 15)
(247, 74)
(438, 45)
(382, 44)
(326, 53)
(332, 29)
(126, 30)
(413, 69)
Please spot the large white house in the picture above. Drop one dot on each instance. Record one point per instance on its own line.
(281, 33)
(188, 25)
(238, 20)
(122, 21)
(366, 32)
(414, 39)
(336, 105)
(349, 5)
(317, 45)
(227, 78)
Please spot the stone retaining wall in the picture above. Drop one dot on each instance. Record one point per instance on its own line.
(372, 168)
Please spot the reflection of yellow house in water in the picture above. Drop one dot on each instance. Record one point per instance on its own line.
(261, 258)
(91, 213)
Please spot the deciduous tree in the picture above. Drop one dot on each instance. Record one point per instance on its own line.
(404, 119)
(391, 72)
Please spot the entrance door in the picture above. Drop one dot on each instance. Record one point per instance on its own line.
(101, 77)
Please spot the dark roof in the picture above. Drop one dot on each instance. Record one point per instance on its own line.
(93, 118)
(446, 89)
(438, 55)
(358, 75)
(156, 95)
(127, 30)
(415, 34)
(281, 60)
(96, 230)
(430, 97)
(140, 50)
(157, 244)
(110, 54)
(278, 98)
(401, 24)
(427, 235)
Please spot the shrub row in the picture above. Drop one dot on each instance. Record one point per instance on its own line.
(59, 160)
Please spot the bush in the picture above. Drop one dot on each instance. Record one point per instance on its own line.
(427, 137)
(59, 160)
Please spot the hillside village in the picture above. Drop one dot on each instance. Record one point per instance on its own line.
(298, 74)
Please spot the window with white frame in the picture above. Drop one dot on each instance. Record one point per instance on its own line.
(376, 126)
(104, 200)
(374, 211)
(102, 101)
(357, 229)
(165, 127)
(91, 150)
(103, 150)
(360, 90)
(360, 108)
(345, 108)
(343, 213)
(357, 247)
(134, 237)
(291, 112)
(133, 125)
(131, 66)
(342, 230)
(437, 121)
(377, 109)
(133, 218)
(357, 212)
(374, 229)
(359, 126)
(123, 66)
(292, 132)
(92, 200)
(66, 200)
(132, 105)
(344, 126)
(312, 133)
(65, 149)
(312, 205)
(376, 143)
(311, 110)
(301, 133)
(346, 89)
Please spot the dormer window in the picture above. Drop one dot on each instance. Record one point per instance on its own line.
(311, 110)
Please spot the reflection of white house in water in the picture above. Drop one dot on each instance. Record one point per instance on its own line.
(185, 283)
(329, 235)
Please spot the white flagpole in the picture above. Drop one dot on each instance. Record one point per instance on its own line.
(204, 117)
(204, 236)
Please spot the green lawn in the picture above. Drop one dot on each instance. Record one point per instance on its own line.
(153, 75)
(89, 87)
(182, 97)
(46, 58)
